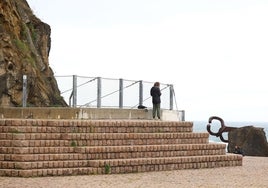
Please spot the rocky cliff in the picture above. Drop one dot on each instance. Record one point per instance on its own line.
(24, 49)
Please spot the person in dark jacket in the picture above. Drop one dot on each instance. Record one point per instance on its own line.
(156, 93)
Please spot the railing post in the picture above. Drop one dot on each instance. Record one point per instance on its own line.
(24, 91)
(121, 93)
(182, 115)
(171, 95)
(99, 92)
(74, 91)
(140, 92)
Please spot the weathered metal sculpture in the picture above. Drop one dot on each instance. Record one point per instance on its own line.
(246, 140)
(221, 130)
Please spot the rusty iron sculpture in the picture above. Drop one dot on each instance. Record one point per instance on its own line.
(221, 130)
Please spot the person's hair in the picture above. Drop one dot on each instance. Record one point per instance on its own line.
(156, 84)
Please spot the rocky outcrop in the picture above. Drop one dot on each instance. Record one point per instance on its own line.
(24, 49)
(251, 140)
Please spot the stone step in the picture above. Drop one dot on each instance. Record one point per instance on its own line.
(43, 164)
(49, 172)
(102, 139)
(112, 162)
(36, 150)
(158, 164)
(93, 126)
(109, 149)
(97, 136)
(143, 151)
(121, 129)
(116, 166)
(113, 152)
(42, 157)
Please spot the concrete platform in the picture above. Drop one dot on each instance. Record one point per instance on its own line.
(86, 113)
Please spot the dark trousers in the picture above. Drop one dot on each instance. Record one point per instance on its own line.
(156, 110)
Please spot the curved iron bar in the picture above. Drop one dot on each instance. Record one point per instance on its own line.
(221, 130)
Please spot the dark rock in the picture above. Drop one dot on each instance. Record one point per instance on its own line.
(250, 140)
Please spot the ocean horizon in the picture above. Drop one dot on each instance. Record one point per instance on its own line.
(201, 126)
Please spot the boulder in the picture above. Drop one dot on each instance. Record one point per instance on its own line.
(249, 141)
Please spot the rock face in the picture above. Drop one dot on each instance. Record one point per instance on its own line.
(250, 139)
(24, 50)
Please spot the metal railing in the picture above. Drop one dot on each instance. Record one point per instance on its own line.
(83, 91)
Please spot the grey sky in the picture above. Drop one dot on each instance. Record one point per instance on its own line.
(213, 51)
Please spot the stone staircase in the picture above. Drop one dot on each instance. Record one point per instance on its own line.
(41, 147)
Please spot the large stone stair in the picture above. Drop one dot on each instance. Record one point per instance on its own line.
(35, 147)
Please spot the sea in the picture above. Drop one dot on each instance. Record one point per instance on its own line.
(201, 126)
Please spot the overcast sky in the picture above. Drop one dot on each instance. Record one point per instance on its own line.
(214, 52)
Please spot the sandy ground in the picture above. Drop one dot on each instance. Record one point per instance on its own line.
(253, 173)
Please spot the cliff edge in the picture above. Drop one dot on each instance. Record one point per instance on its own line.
(24, 49)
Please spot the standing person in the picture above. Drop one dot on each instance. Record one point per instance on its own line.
(156, 93)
